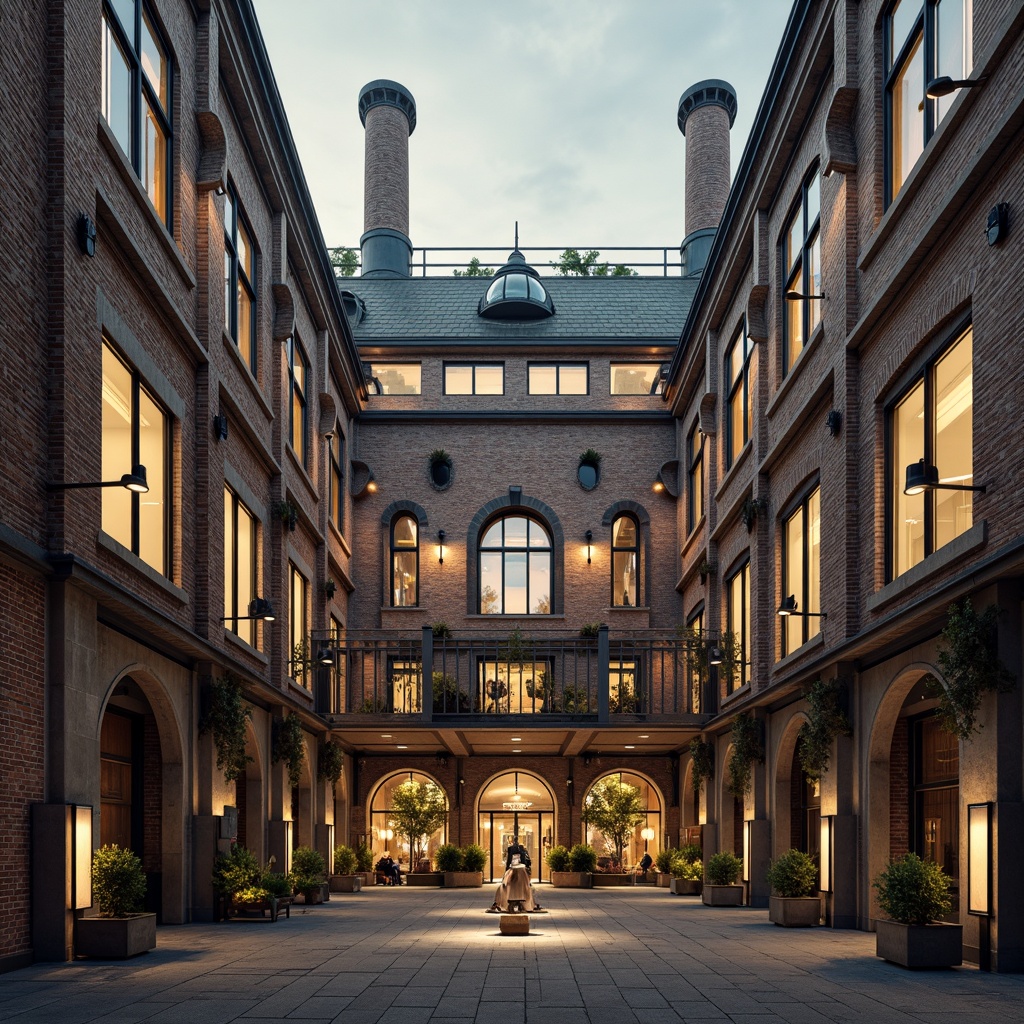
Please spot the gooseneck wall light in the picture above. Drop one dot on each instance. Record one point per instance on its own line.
(440, 547)
(589, 535)
(922, 477)
(945, 86)
(135, 481)
(788, 607)
(259, 608)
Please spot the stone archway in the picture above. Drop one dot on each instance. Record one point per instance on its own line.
(303, 810)
(522, 803)
(379, 823)
(655, 819)
(787, 777)
(250, 799)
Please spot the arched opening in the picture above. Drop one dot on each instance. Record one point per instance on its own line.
(411, 852)
(797, 799)
(302, 803)
(249, 800)
(646, 836)
(516, 803)
(690, 809)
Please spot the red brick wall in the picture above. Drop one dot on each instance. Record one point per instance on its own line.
(899, 790)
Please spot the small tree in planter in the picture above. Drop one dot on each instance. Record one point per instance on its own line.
(721, 888)
(118, 882)
(344, 877)
(914, 893)
(794, 902)
(614, 808)
(308, 873)
(474, 858)
(687, 875)
(236, 871)
(418, 810)
(558, 858)
(364, 858)
(448, 858)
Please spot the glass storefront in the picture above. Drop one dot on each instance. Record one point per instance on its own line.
(516, 803)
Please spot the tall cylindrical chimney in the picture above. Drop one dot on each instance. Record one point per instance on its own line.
(388, 113)
(706, 113)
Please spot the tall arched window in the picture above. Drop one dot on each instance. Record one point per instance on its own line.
(405, 562)
(516, 567)
(625, 562)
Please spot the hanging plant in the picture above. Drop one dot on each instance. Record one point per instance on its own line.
(330, 588)
(750, 509)
(588, 471)
(695, 649)
(226, 715)
(747, 747)
(329, 762)
(705, 569)
(289, 746)
(729, 645)
(441, 630)
(702, 760)
(517, 649)
(287, 513)
(440, 469)
(825, 721)
(970, 664)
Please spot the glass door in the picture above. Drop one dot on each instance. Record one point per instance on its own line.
(535, 830)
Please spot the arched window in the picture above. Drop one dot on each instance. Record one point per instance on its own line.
(516, 567)
(625, 562)
(405, 562)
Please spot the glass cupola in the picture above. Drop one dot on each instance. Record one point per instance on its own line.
(516, 293)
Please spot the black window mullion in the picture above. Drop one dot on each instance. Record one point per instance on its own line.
(929, 454)
(136, 419)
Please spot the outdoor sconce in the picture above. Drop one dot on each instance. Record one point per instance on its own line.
(834, 422)
(979, 864)
(590, 544)
(921, 477)
(259, 608)
(86, 227)
(793, 295)
(715, 655)
(135, 481)
(371, 486)
(826, 853)
(325, 657)
(945, 86)
(998, 223)
(440, 547)
(788, 607)
(220, 427)
(81, 892)
(658, 487)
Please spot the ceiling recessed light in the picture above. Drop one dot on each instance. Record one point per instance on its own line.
(631, 746)
(517, 739)
(645, 735)
(402, 746)
(385, 735)
(516, 750)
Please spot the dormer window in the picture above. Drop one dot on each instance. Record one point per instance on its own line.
(516, 293)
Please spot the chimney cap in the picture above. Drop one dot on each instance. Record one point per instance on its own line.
(384, 92)
(710, 91)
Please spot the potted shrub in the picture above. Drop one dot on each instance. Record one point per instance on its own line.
(572, 869)
(663, 862)
(615, 808)
(687, 877)
(234, 872)
(279, 891)
(914, 893)
(794, 902)
(308, 874)
(721, 888)
(118, 889)
(344, 878)
(462, 868)
(364, 863)
(440, 469)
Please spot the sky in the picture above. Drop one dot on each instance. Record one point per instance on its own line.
(559, 114)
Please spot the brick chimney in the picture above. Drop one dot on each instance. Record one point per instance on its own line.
(388, 113)
(706, 114)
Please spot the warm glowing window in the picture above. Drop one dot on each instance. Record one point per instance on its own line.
(239, 567)
(695, 479)
(636, 379)
(405, 562)
(516, 568)
(298, 371)
(397, 378)
(739, 417)
(486, 379)
(336, 480)
(737, 596)
(801, 572)
(625, 562)
(239, 280)
(558, 378)
(801, 258)
(298, 624)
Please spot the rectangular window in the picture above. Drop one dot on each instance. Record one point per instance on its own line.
(924, 40)
(695, 479)
(801, 251)
(136, 431)
(239, 567)
(239, 280)
(739, 374)
(636, 379)
(339, 674)
(298, 370)
(298, 624)
(737, 595)
(801, 572)
(135, 91)
(507, 687)
(625, 694)
(934, 777)
(336, 482)
(933, 422)
(397, 378)
(404, 680)
(464, 379)
(558, 378)
(697, 658)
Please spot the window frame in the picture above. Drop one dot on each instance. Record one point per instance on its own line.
(298, 623)
(394, 551)
(474, 367)
(743, 635)
(800, 269)
(695, 622)
(297, 396)
(336, 479)
(236, 608)
(558, 367)
(694, 472)
(658, 385)
(143, 95)
(504, 549)
(741, 386)
(237, 276)
(381, 393)
(810, 623)
(636, 551)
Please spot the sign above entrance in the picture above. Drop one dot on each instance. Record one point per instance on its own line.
(517, 805)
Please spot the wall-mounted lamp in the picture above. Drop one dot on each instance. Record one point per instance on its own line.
(788, 607)
(946, 86)
(979, 863)
(86, 230)
(220, 427)
(746, 850)
(371, 486)
(440, 547)
(792, 295)
(259, 608)
(325, 656)
(998, 223)
(135, 481)
(715, 655)
(921, 477)
(834, 422)
(590, 544)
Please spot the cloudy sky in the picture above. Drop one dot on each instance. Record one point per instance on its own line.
(558, 114)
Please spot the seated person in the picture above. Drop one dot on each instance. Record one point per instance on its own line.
(515, 885)
(645, 864)
(389, 870)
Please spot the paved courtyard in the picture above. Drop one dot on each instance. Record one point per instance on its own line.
(409, 956)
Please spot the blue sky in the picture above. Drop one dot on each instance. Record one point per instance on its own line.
(560, 114)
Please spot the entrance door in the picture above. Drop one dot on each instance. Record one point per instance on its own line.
(535, 830)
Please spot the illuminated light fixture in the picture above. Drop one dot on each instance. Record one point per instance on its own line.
(825, 859)
(259, 608)
(135, 481)
(645, 735)
(402, 746)
(326, 656)
(715, 655)
(658, 487)
(371, 486)
(921, 477)
(517, 739)
(385, 735)
(788, 607)
(440, 547)
(630, 746)
(946, 86)
(979, 864)
(793, 295)
(516, 750)
(590, 544)
(647, 834)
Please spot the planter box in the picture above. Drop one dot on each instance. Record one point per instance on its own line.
(722, 895)
(318, 897)
(425, 878)
(463, 879)
(608, 878)
(345, 883)
(115, 938)
(794, 911)
(664, 879)
(571, 879)
(275, 906)
(686, 886)
(368, 878)
(920, 945)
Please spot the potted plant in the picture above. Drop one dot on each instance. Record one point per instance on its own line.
(721, 888)
(279, 891)
(441, 469)
(287, 513)
(462, 868)
(364, 863)
(572, 869)
(794, 902)
(914, 893)
(308, 874)
(663, 862)
(588, 472)
(234, 872)
(687, 877)
(344, 878)
(118, 889)
(747, 748)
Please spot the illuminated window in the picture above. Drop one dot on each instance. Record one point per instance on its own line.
(695, 479)
(298, 624)
(636, 379)
(737, 596)
(465, 379)
(239, 567)
(336, 479)
(739, 374)
(239, 280)
(801, 571)
(801, 259)
(135, 95)
(558, 378)
(397, 378)
(405, 562)
(298, 371)
(516, 568)
(625, 562)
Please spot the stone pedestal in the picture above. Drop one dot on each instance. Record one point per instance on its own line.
(515, 924)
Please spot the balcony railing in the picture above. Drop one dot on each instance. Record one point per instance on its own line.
(640, 675)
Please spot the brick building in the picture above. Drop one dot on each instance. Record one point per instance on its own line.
(436, 519)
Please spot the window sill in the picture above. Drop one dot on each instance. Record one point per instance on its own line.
(734, 470)
(340, 537)
(234, 638)
(795, 371)
(402, 608)
(737, 695)
(949, 554)
(303, 474)
(784, 663)
(299, 690)
(254, 384)
(104, 540)
(506, 618)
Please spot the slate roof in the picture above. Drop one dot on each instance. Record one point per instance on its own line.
(586, 308)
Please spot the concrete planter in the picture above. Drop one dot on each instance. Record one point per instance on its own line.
(794, 911)
(686, 886)
(463, 879)
(664, 879)
(571, 879)
(722, 895)
(345, 883)
(368, 878)
(920, 945)
(424, 878)
(115, 938)
(608, 878)
(316, 894)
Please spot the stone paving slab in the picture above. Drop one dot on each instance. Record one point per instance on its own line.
(431, 956)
